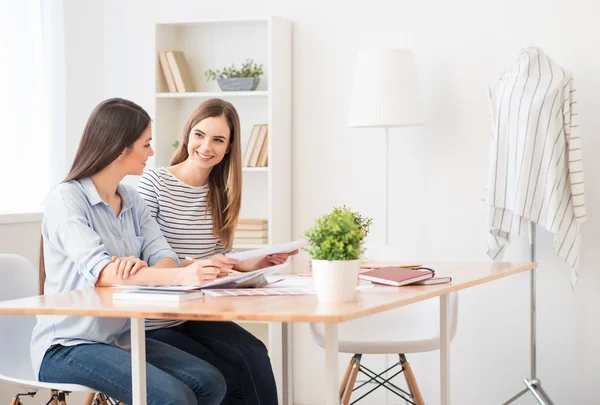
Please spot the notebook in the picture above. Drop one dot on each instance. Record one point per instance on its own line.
(395, 276)
(433, 280)
(157, 295)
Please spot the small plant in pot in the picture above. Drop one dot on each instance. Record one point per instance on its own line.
(336, 243)
(233, 79)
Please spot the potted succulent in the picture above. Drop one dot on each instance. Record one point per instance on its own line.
(335, 244)
(232, 79)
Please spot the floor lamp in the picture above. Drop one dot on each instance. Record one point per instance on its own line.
(385, 94)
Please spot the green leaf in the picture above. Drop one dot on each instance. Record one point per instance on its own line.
(248, 69)
(338, 235)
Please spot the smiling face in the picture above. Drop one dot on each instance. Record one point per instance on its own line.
(135, 157)
(208, 142)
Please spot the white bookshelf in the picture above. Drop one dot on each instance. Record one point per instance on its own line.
(267, 192)
(210, 94)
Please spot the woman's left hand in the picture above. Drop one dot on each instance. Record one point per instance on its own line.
(126, 266)
(276, 259)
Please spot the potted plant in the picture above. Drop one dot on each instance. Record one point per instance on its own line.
(335, 244)
(232, 79)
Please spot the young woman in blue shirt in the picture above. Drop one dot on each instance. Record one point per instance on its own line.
(90, 220)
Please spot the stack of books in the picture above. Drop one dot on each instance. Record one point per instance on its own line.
(251, 231)
(257, 151)
(176, 71)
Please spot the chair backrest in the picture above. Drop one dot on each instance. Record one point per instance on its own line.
(19, 279)
(418, 321)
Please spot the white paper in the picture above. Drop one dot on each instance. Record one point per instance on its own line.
(267, 271)
(269, 250)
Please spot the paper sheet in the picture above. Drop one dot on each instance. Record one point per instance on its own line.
(269, 250)
(267, 271)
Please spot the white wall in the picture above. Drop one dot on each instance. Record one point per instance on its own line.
(84, 54)
(84, 28)
(437, 171)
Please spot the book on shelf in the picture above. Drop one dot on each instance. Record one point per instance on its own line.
(252, 227)
(157, 295)
(250, 145)
(181, 72)
(256, 153)
(252, 223)
(263, 156)
(245, 224)
(251, 241)
(260, 143)
(251, 233)
(166, 71)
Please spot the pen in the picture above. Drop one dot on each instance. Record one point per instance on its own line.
(231, 271)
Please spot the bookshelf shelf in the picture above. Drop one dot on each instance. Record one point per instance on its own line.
(211, 94)
(214, 44)
(255, 169)
(249, 246)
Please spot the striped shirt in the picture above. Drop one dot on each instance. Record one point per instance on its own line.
(536, 169)
(180, 210)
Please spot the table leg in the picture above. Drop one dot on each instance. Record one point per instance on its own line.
(286, 362)
(445, 349)
(138, 360)
(331, 364)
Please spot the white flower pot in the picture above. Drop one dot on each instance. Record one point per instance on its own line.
(335, 280)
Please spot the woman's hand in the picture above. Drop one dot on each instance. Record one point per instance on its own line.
(126, 266)
(275, 259)
(203, 271)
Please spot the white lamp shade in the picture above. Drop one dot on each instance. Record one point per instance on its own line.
(385, 92)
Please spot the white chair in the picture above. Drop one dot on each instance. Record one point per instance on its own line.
(20, 279)
(410, 329)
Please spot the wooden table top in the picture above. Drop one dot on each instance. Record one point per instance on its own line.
(99, 302)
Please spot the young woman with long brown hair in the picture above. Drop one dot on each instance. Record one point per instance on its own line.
(89, 220)
(196, 202)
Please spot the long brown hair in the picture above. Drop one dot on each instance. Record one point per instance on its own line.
(113, 126)
(225, 179)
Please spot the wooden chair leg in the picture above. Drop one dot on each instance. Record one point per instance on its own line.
(351, 381)
(101, 399)
(89, 398)
(411, 381)
(344, 382)
(54, 396)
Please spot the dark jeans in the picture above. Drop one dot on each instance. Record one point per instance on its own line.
(174, 377)
(236, 353)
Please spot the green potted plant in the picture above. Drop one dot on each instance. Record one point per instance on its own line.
(232, 79)
(335, 245)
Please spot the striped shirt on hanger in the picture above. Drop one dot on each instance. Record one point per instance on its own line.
(536, 169)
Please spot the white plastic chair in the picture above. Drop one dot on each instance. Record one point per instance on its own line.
(411, 329)
(20, 279)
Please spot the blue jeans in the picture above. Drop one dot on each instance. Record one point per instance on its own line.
(173, 376)
(236, 353)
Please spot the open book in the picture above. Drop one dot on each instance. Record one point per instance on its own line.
(237, 280)
(249, 279)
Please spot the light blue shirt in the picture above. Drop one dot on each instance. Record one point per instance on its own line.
(81, 232)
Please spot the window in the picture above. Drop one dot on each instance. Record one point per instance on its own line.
(32, 112)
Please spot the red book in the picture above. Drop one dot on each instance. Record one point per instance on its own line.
(395, 276)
